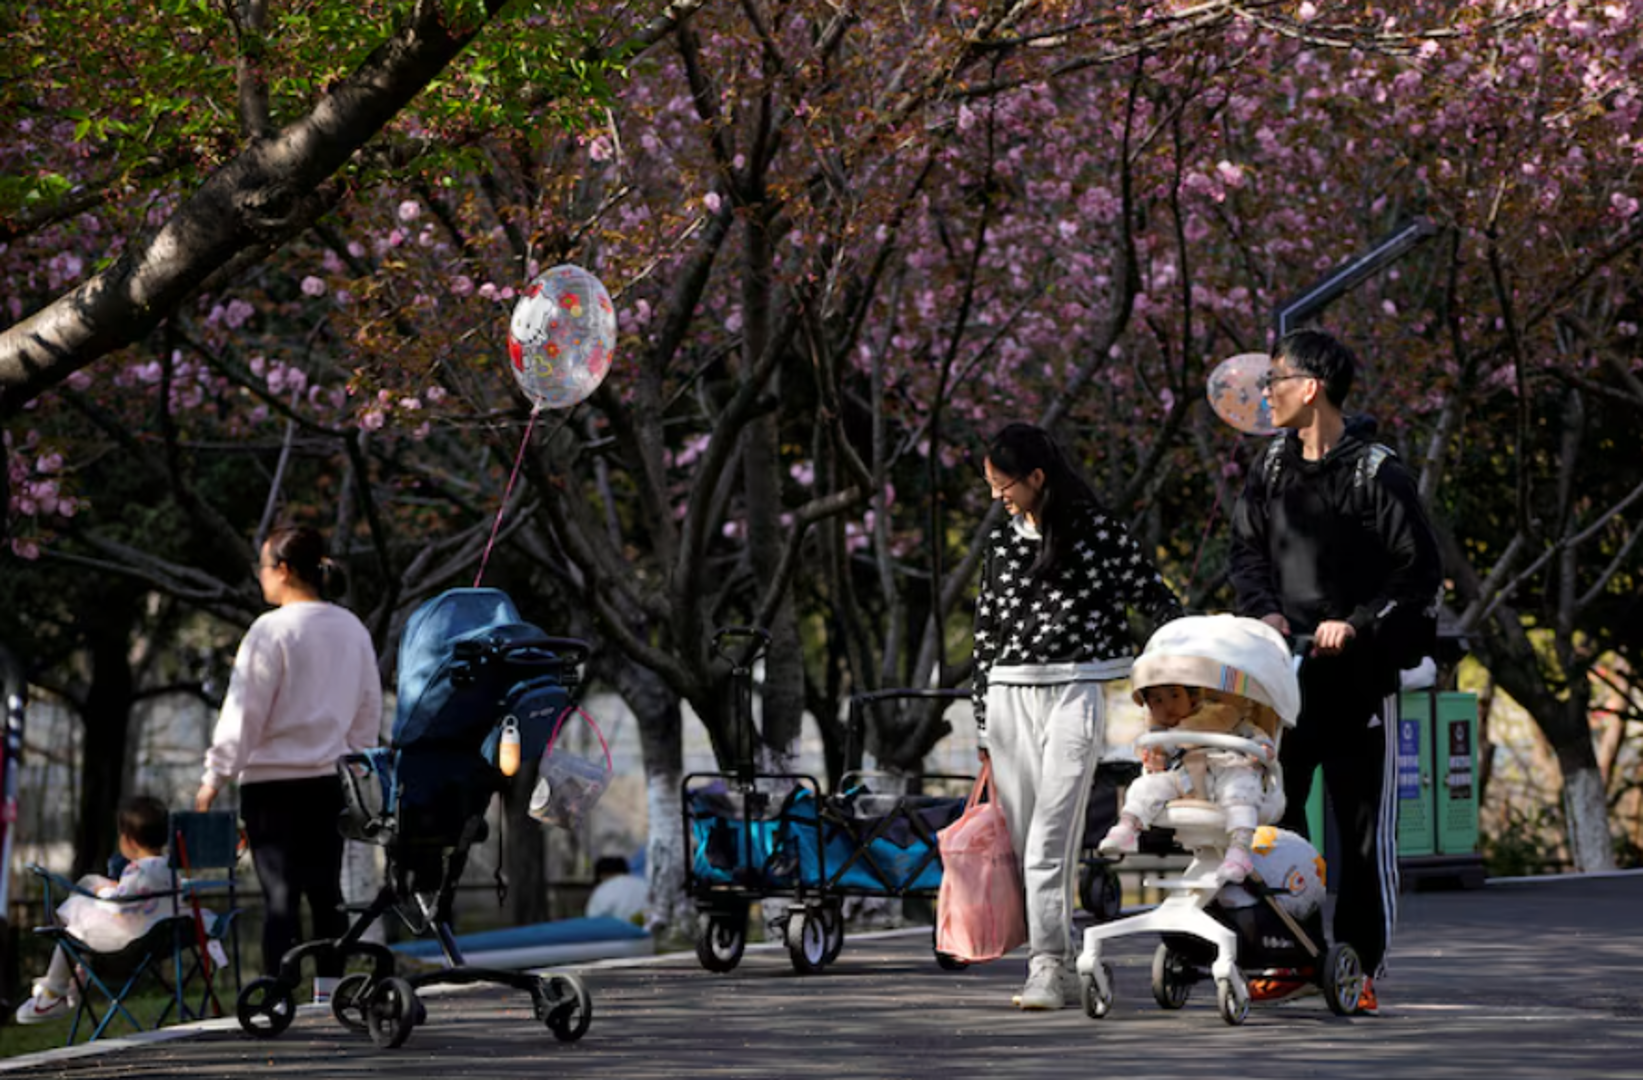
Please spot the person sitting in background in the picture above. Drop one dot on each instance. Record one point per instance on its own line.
(618, 893)
(110, 914)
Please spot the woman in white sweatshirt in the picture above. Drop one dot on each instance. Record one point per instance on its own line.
(305, 691)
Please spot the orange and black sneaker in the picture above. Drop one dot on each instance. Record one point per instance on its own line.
(1367, 1005)
(1268, 990)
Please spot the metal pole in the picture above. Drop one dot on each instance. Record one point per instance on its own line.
(15, 685)
(1352, 273)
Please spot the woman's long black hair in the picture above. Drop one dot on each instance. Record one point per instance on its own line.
(1016, 451)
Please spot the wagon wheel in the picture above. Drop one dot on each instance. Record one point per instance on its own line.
(722, 940)
(807, 942)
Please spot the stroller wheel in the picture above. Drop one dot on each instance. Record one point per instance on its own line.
(1341, 976)
(1097, 1002)
(832, 921)
(1233, 1001)
(565, 1006)
(719, 948)
(807, 942)
(1171, 978)
(265, 1007)
(1100, 891)
(390, 1012)
(348, 1001)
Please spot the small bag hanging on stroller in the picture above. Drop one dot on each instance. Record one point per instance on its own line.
(568, 784)
(467, 663)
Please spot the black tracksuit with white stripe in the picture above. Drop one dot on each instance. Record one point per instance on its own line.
(1342, 538)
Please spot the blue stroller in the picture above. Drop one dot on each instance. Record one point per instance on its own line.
(468, 666)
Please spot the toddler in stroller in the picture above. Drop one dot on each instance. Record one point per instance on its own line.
(468, 669)
(1212, 928)
(1232, 778)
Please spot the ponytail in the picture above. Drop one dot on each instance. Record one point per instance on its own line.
(302, 551)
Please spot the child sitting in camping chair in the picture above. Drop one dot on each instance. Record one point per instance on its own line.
(104, 915)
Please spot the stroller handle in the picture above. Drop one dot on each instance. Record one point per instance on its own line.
(572, 650)
(472, 655)
(1215, 739)
(855, 731)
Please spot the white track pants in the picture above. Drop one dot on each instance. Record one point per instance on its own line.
(1045, 742)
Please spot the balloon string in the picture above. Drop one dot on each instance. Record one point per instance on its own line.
(484, 560)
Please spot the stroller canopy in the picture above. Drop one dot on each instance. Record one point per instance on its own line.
(1228, 653)
(431, 705)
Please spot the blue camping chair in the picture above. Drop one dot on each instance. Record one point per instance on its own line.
(174, 954)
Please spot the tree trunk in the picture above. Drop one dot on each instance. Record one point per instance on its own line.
(107, 723)
(525, 851)
(1587, 811)
(661, 741)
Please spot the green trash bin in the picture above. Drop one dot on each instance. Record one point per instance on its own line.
(1416, 835)
(1455, 727)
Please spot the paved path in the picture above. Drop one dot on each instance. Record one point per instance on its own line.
(1518, 981)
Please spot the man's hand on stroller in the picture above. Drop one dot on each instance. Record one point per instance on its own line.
(1332, 637)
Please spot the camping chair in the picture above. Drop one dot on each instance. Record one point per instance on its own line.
(173, 952)
(205, 848)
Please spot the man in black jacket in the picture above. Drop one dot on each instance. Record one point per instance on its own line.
(1330, 539)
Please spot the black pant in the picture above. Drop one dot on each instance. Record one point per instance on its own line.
(1352, 732)
(292, 829)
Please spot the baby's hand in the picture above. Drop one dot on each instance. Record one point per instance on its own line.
(1153, 759)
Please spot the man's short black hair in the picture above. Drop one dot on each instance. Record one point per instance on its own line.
(146, 821)
(609, 866)
(1319, 354)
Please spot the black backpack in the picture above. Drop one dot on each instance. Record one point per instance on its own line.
(1405, 636)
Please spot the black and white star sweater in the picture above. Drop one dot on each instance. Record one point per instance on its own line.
(1074, 616)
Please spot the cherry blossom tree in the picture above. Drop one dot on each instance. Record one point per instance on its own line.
(848, 241)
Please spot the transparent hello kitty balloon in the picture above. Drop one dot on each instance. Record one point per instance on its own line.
(561, 337)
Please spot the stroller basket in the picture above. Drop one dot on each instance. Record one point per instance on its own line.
(370, 794)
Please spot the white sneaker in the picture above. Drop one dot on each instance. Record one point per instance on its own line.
(1050, 985)
(44, 1006)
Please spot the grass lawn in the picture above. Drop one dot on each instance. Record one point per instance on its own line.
(146, 1007)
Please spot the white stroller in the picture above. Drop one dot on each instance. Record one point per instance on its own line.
(1211, 930)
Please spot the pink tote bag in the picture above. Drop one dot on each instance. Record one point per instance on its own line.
(981, 909)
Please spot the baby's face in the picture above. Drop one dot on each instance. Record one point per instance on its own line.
(1167, 705)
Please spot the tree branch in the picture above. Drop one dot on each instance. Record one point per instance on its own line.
(254, 203)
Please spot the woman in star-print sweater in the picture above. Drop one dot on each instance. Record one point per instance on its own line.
(1051, 627)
